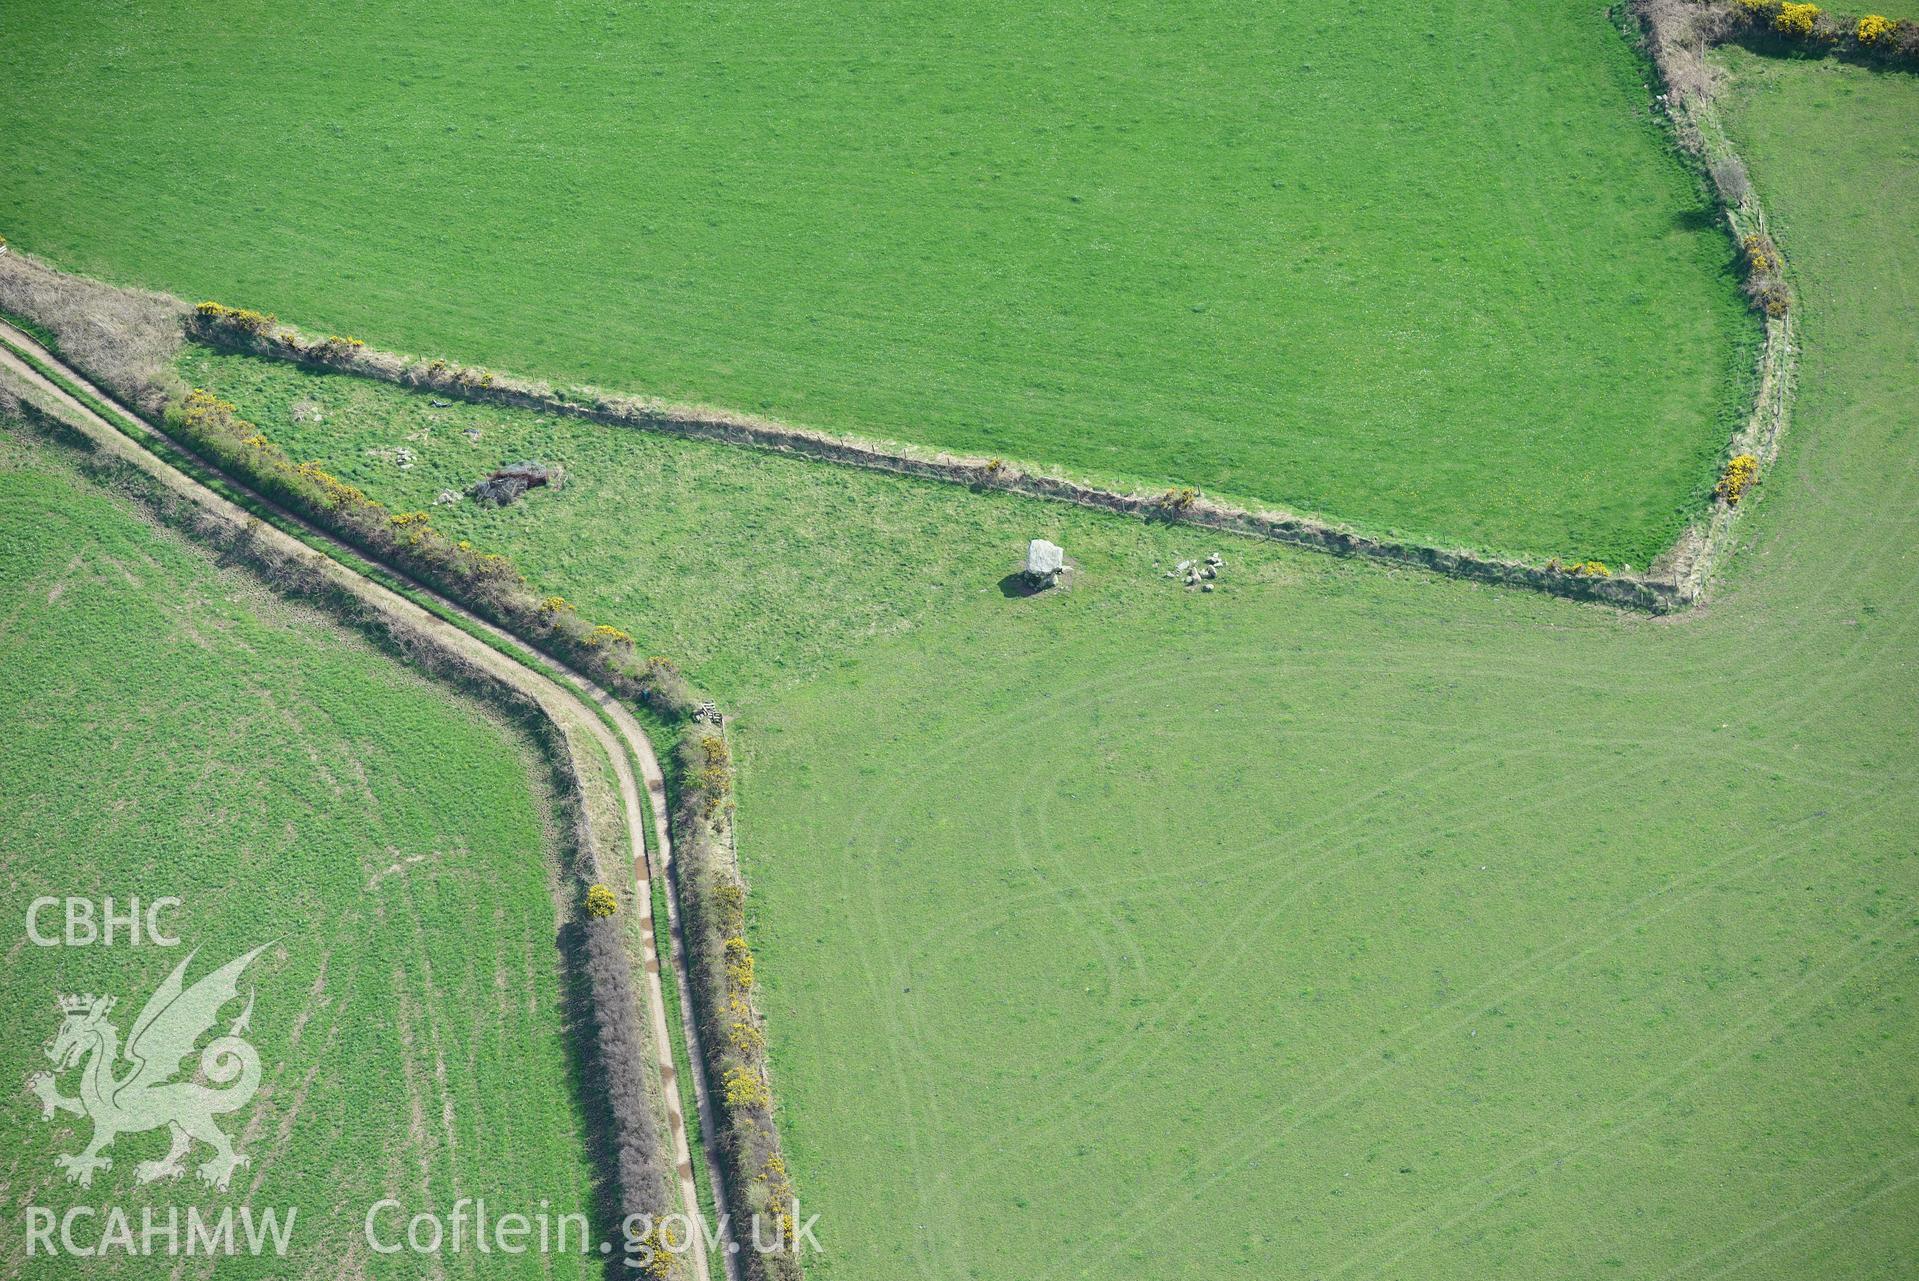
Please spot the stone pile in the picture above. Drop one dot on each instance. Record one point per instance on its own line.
(1196, 573)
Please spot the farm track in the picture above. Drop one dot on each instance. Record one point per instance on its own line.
(588, 708)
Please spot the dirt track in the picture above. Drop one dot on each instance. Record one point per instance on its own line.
(629, 750)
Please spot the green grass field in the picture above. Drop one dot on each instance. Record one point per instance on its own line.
(172, 728)
(1474, 300)
(1347, 922)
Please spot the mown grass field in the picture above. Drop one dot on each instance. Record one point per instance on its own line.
(1432, 270)
(172, 728)
(1343, 923)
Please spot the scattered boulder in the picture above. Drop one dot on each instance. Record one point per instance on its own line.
(511, 481)
(446, 499)
(1197, 573)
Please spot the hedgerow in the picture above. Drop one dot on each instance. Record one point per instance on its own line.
(595, 951)
(1870, 37)
(1180, 504)
(732, 1038)
(487, 581)
(623, 1053)
(732, 1030)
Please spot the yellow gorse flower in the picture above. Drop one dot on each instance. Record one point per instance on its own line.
(1796, 19)
(1873, 28)
(745, 1089)
(1740, 475)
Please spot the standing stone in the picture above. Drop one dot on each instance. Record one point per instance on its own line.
(1045, 562)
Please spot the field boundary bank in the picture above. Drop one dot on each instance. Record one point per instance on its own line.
(733, 1033)
(1782, 27)
(1676, 36)
(238, 331)
(1678, 578)
(639, 1166)
(1677, 33)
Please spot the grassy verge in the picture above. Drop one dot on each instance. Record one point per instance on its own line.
(695, 1136)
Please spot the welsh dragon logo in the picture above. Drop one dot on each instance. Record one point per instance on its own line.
(145, 1096)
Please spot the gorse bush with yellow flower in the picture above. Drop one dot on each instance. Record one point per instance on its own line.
(724, 968)
(773, 1186)
(259, 324)
(1874, 29)
(726, 980)
(655, 1253)
(743, 1029)
(608, 635)
(745, 1088)
(1796, 19)
(1741, 473)
(1873, 35)
(710, 771)
(1764, 285)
